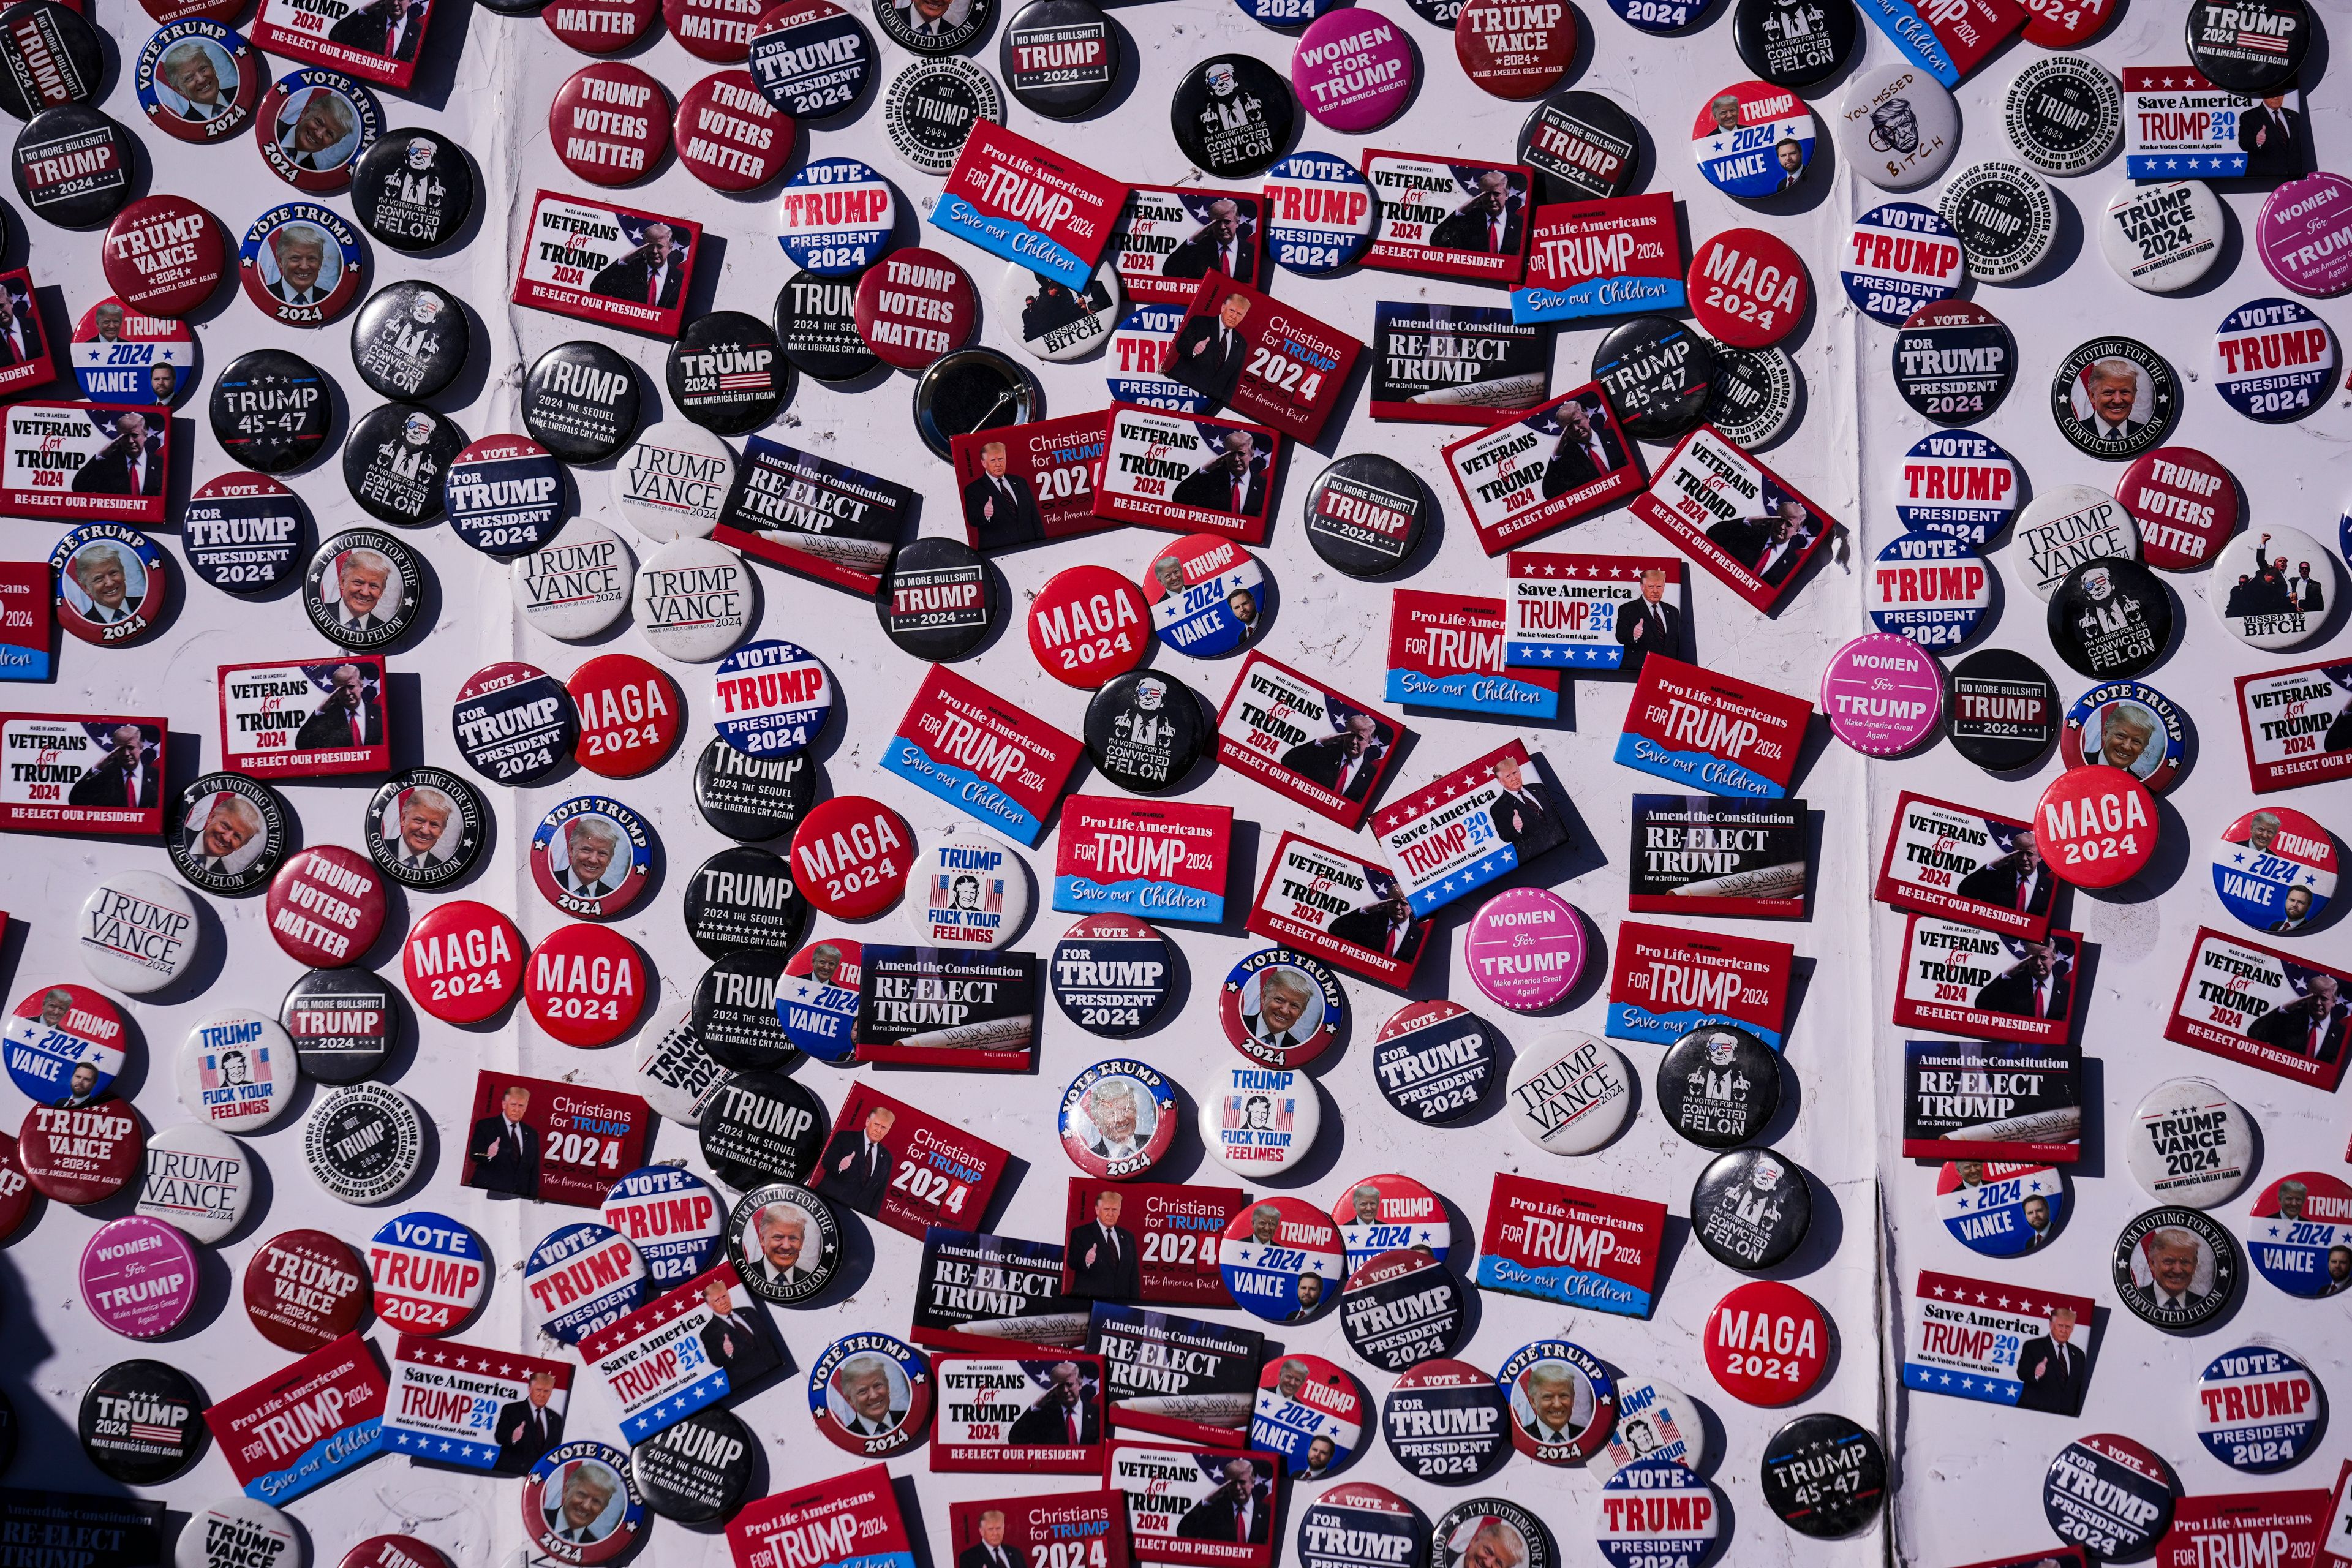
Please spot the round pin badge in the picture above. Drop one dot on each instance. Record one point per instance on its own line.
(514, 723)
(727, 134)
(198, 1180)
(80, 1153)
(394, 460)
(1255, 1120)
(410, 339)
(342, 1024)
(1233, 115)
(870, 1393)
(741, 898)
(364, 1144)
(1793, 43)
(1753, 140)
(1059, 58)
(1358, 1524)
(2114, 398)
(2276, 871)
(302, 264)
(675, 1218)
(585, 985)
(1563, 1402)
(163, 254)
(17, 1200)
(1571, 1093)
(1058, 323)
(811, 59)
(2162, 239)
(1747, 289)
(1144, 731)
(1281, 1259)
(1207, 595)
(1112, 975)
(364, 588)
(142, 1422)
(672, 483)
(1365, 514)
(1900, 255)
(1580, 144)
(1883, 693)
(727, 374)
(763, 1128)
(235, 1070)
(582, 1277)
(783, 1242)
(2066, 526)
(694, 1471)
(326, 906)
(2110, 618)
(1089, 624)
(2176, 1269)
(2000, 1210)
(2251, 47)
(970, 390)
(817, 324)
(1824, 1475)
(1659, 374)
(668, 1065)
(609, 123)
(854, 856)
(272, 410)
(207, 91)
(1448, 1422)
(71, 164)
(1388, 1213)
(1525, 948)
(580, 1502)
(1281, 1008)
(504, 495)
(2005, 215)
(113, 583)
(2063, 112)
(1753, 396)
(1751, 1208)
(1310, 1411)
(915, 306)
(2299, 1234)
(313, 125)
(1655, 1420)
(1435, 1061)
(600, 27)
(1146, 340)
(1321, 213)
(121, 357)
(771, 699)
(463, 962)
(412, 190)
(1953, 487)
(971, 891)
(1954, 361)
(2301, 231)
(713, 30)
(1766, 1343)
(304, 1289)
(2184, 504)
(236, 1531)
(137, 1277)
(2258, 1408)
(936, 601)
(2097, 827)
(2273, 361)
(2109, 1494)
(429, 1273)
(2273, 590)
(1403, 1306)
(241, 532)
(930, 107)
(752, 800)
(1488, 1528)
(580, 401)
(1514, 53)
(1719, 1085)
(735, 1011)
(1897, 124)
(66, 1045)
(630, 710)
(395, 1551)
(835, 218)
(591, 857)
(2190, 1143)
(138, 931)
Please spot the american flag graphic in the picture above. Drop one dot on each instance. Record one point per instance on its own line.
(743, 381)
(2262, 41)
(992, 891)
(152, 1433)
(257, 1066)
(1237, 1111)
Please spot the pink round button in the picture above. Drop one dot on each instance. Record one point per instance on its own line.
(1526, 948)
(1354, 69)
(1883, 693)
(139, 1276)
(2306, 234)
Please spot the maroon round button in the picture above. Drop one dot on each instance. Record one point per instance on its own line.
(163, 256)
(1088, 625)
(1766, 1343)
(914, 306)
(394, 1551)
(81, 1153)
(2065, 24)
(728, 135)
(16, 1194)
(463, 962)
(139, 1276)
(610, 123)
(2095, 826)
(585, 985)
(1747, 289)
(1515, 48)
(600, 27)
(629, 714)
(718, 31)
(326, 906)
(2185, 504)
(164, 12)
(304, 1289)
(851, 857)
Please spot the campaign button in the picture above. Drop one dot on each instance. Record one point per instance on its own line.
(811, 59)
(550, 1511)
(1232, 114)
(241, 532)
(1358, 1524)
(1563, 1402)
(1281, 1008)
(2190, 1143)
(463, 962)
(1145, 341)
(1206, 594)
(1281, 1259)
(304, 1289)
(2063, 112)
(1057, 323)
(236, 1531)
(771, 699)
(1961, 487)
(1719, 1085)
(761, 1128)
(364, 1142)
(2299, 1234)
(138, 1276)
(119, 357)
(669, 1067)
(1824, 1475)
(1750, 1208)
(1059, 58)
(2258, 1408)
(1900, 255)
(1897, 124)
(1089, 624)
(1883, 692)
(1655, 1420)
(2252, 48)
(1766, 1343)
(141, 1421)
(1255, 1121)
(410, 339)
(314, 125)
(2110, 618)
(1392, 1213)
(718, 31)
(816, 323)
(394, 460)
(600, 27)
(2000, 1210)
(2276, 871)
(1571, 1093)
(741, 898)
(726, 372)
(207, 92)
(931, 108)
(970, 390)
(303, 265)
(2005, 216)
(2184, 504)
(870, 1393)
(935, 601)
(1954, 361)
(64, 1045)
(1733, 130)
(580, 401)
(412, 189)
(1310, 1411)
(2066, 526)
(783, 1242)
(1111, 975)
(2097, 826)
(2110, 1495)
(1365, 514)
(674, 480)
(72, 166)
(1513, 50)
(973, 892)
(364, 588)
(1144, 731)
(852, 856)
(736, 1016)
(2161, 238)
(163, 255)
(1490, 1529)
(728, 136)
(514, 723)
(429, 1273)
(581, 1276)
(199, 1179)
(1747, 289)
(504, 495)
(1753, 396)
(326, 906)
(591, 857)
(629, 710)
(585, 985)
(1118, 1117)
(751, 799)
(1525, 948)
(2273, 361)
(1582, 145)
(694, 1471)
(1435, 1061)
(2114, 398)
(1659, 374)
(1445, 1421)
(270, 410)
(395, 1551)
(835, 216)
(2301, 235)
(2176, 1269)
(112, 581)
(342, 1024)
(235, 1070)
(1793, 43)
(137, 931)
(913, 307)
(1320, 213)
(1401, 1307)
(675, 1218)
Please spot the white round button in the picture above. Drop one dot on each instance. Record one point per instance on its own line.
(2272, 586)
(694, 600)
(2163, 237)
(1255, 1121)
(1898, 126)
(196, 1179)
(1570, 1092)
(968, 891)
(137, 931)
(1055, 322)
(575, 585)
(2190, 1143)
(237, 1071)
(238, 1533)
(673, 480)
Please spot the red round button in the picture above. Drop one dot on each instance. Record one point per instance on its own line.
(610, 123)
(163, 256)
(2184, 503)
(728, 135)
(1766, 1343)
(1747, 289)
(1088, 625)
(16, 1192)
(463, 962)
(585, 985)
(305, 1290)
(914, 306)
(718, 31)
(629, 714)
(326, 906)
(2065, 24)
(600, 27)
(81, 1154)
(851, 857)
(2095, 826)
(394, 1551)
(1515, 48)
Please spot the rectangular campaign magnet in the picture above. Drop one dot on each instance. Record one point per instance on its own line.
(1455, 365)
(82, 773)
(1560, 461)
(1168, 239)
(1571, 1244)
(2212, 1531)
(1613, 255)
(615, 266)
(1713, 733)
(559, 1142)
(86, 462)
(285, 720)
(28, 620)
(1187, 474)
(1592, 612)
(33, 361)
(912, 1171)
(1986, 985)
(1443, 219)
(689, 1347)
(1065, 1530)
(947, 1007)
(2177, 125)
(2286, 1015)
(1734, 516)
(1146, 1241)
(1483, 820)
(2003, 1344)
(1208, 1509)
(2335, 1532)
(374, 42)
(814, 516)
(1261, 358)
(1179, 1377)
(1992, 1100)
(1154, 860)
(1339, 907)
(1964, 865)
(1301, 738)
(1025, 483)
(1945, 38)
(2297, 724)
(1016, 1414)
(107, 1532)
(1029, 204)
(1446, 650)
(1001, 766)
(1704, 855)
(1669, 980)
(842, 1521)
(478, 1409)
(306, 1424)
(993, 1293)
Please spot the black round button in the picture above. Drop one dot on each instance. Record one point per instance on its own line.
(1112, 975)
(1445, 1421)
(2252, 48)
(930, 107)
(1058, 56)
(1954, 361)
(2110, 619)
(48, 56)
(1719, 1085)
(580, 402)
(1794, 43)
(817, 325)
(1144, 731)
(514, 723)
(7, 1433)
(727, 373)
(1755, 395)
(505, 496)
(342, 1021)
(694, 1471)
(935, 601)
(1659, 374)
(229, 834)
(735, 1011)
(72, 166)
(1581, 145)
(2175, 1267)
(395, 460)
(744, 897)
(934, 26)
(242, 532)
(364, 588)
(784, 1244)
(271, 409)
(1233, 115)
(410, 339)
(1435, 1061)
(1825, 1474)
(413, 188)
(1750, 1208)
(142, 1422)
(752, 799)
(425, 827)
(2004, 710)
(1365, 514)
(1400, 1309)
(972, 390)
(762, 1126)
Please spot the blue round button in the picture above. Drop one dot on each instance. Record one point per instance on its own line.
(833, 217)
(2299, 1235)
(1932, 590)
(1111, 974)
(1900, 255)
(1207, 595)
(2126, 724)
(1660, 16)
(2000, 1210)
(770, 698)
(2276, 871)
(582, 1277)
(1957, 484)
(2274, 360)
(1320, 213)
(816, 998)
(2258, 1408)
(675, 1218)
(1143, 343)
(504, 495)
